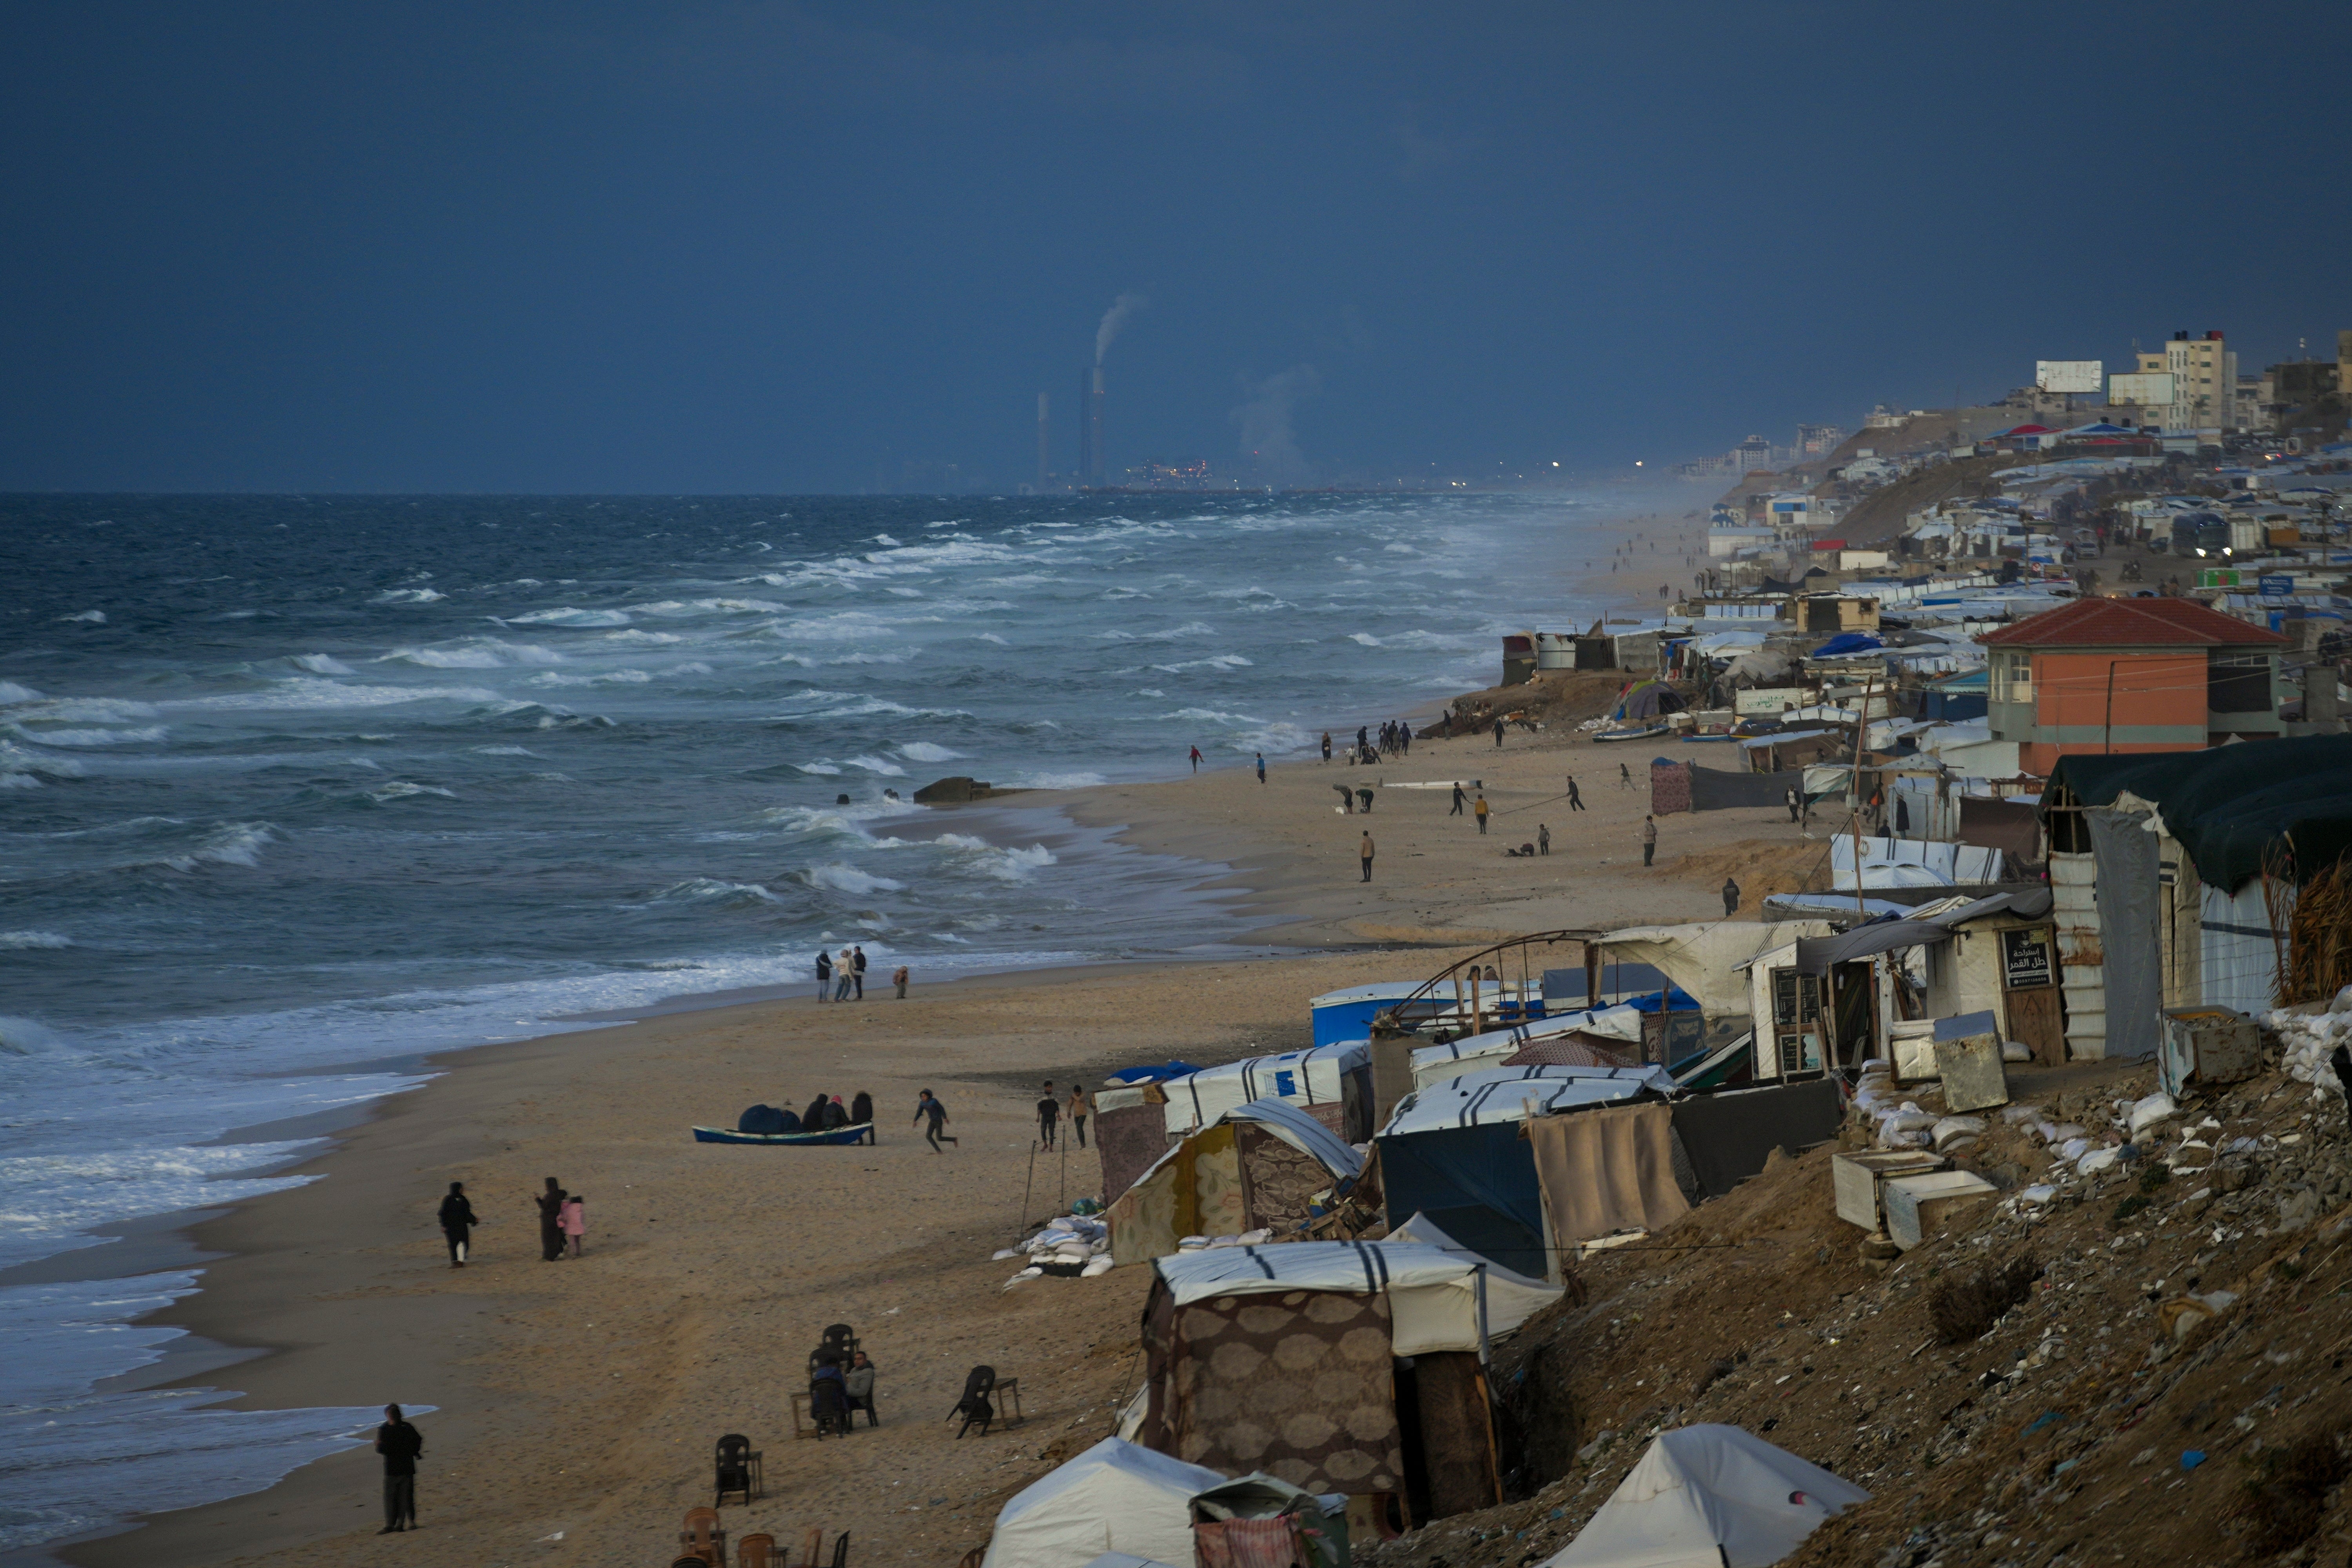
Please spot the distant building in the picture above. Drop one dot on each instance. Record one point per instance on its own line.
(1816, 440)
(1751, 454)
(2101, 676)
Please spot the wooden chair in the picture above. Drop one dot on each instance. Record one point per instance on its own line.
(737, 1469)
(756, 1552)
(702, 1539)
(810, 1544)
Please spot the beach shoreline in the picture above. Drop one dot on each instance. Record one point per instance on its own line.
(294, 1345)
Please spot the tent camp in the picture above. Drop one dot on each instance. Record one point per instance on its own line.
(1332, 1083)
(1259, 1167)
(1297, 1361)
(1453, 1151)
(1701, 957)
(1343, 1016)
(1114, 1497)
(1437, 1063)
(1708, 1496)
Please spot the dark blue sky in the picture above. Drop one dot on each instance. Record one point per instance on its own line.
(634, 247)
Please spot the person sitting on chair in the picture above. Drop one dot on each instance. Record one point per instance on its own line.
(858, 1385)
(828, 1395)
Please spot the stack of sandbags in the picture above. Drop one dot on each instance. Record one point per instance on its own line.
(2310, 1039)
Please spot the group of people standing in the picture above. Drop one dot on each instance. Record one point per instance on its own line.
(846, 975)
(562, 1222)
(1051, 1108)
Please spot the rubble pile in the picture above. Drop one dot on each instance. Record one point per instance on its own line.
(2168, 1288)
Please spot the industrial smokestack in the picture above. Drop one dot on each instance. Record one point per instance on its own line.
(1045, 440)
(1099, 463)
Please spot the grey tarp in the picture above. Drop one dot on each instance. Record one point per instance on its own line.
(1715, 789)
(1729, 1134)
(1816, 955)
(2012, 826)
(2130, 935)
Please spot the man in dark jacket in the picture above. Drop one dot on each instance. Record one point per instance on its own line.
(858, 972)
(550, 1221)
(457, 1223)
(824, 972)
(1049, 1114)
(400, 1443)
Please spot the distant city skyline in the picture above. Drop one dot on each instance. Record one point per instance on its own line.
(804, 248)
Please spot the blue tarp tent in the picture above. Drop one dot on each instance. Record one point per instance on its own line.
(1130, 1076)
(1846, 642)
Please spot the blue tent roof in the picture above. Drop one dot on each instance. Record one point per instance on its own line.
(1847, 642)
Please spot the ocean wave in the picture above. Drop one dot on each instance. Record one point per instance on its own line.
(710, 608)
(846, 879)
(868, 658)
(408, 597)
(227, 844)
(21, 769)
(1190, 630)
(300, 692)
(82, 711)
(989, 636)
(1366, 638)
(87, 618)
(401, 789)
(840, 821)
(818, 767)
(318, 664)
(25, 1037)
(1209, 716)
(10, 692)
(568, 616)
(33, 938)
(881, 705)
(925, 752)
(145, 735)
(505, 751)
(1221, 662)
(636, 635)
(608, 678)
(1054, 781)
(1009, 864)
(474, 653)
(714, 889)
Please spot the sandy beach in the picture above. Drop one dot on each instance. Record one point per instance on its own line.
(576, 1403)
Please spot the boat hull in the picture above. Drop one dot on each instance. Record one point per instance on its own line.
(859, 1133)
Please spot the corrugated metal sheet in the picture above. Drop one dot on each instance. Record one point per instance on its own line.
(2081, 957)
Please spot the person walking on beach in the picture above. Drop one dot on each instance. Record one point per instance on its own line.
(1459, 799)
(1730, 898)
(1049, 1114)
(1080, 1108)
(824, 972)
(574, 1221)
(457, 1223)
(899, 979)
(1327, 745)
(1499, 731)
(1481, 809)
(1791, 798)
(1196, 759)
(1624, 776)
(844, 974)
(550, 1221)
(1404, 737)
(1543, 839)
(857, 969)
(1575, 795)
(1649, 838)
(400, 1445)
(1261, 767)
(927, 1105)
(1364, 851)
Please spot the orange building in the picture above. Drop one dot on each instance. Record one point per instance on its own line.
(2102, 676)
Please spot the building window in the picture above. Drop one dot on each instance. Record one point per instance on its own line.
(2238, 683)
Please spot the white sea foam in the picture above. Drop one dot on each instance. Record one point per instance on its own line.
(505, 751)
(401, 789)
(925, 752)
(318, 664)
(568, 616)
(848, 879)
(33, 938)
(474, 653)
(304, 692)
(989, 637)
(10, 692)
(408, 597)
(606, 677)
(635, 635)
(817, 767)
(1054, 781)
(88, 617)
(708, 888)
(1367, 639)
(145, 735)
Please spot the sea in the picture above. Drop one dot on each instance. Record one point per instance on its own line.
(294, 790)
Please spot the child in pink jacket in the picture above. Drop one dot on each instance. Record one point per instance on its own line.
(574, 1220)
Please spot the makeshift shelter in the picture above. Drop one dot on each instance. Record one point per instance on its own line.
(1912, 863)
(1703, 958)
(1131, 1134)
(1114, 1497)
(1437, 1063)
(1306, 1361)
(1453, 1151)
(1611, 1168)
(1708, 1496)
(1347, 1014)
(1260, 1166)
(1647, 700)
(1728, 1135)
(1331, 1083)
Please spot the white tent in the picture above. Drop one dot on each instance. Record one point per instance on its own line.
(1509, 1093)
(1437, 1300)
(1707, 1497)
(1303, 1078)
(1435, 1064)
(1114, 1497)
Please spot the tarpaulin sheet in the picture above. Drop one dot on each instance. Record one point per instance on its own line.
(1670, 787)
(2012, 826)
(1607, 1170)
(1703, 958)
(1452, 1167)
(1715, 789)
(1728, 1136)
(1129, 1140)
(2231, 805)
(2130, 930)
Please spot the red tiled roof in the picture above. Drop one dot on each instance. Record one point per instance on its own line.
(2132, 623)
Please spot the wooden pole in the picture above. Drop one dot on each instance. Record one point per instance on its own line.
(1027, 1188)
(1860, 731)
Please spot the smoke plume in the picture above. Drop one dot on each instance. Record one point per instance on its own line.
(1263, 420)
(1125, 305)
